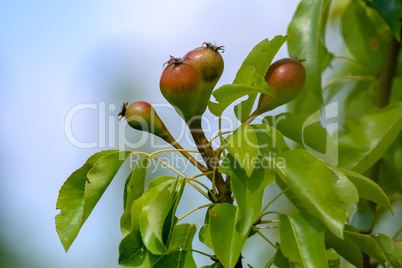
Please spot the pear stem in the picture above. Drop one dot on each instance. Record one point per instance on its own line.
(197, 164)
(211, 160)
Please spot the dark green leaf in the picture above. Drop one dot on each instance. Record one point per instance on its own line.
(388, 247)
(132, 252)
(391, 11)
(280, 260)
(368, 189)
(346, 248)
(368, 245)
(362, 38)
(176, 259)
(248, 191)
(302, 240)
(311, 187)
(243, 145)
(182, 236)
(306, 35)
(270, 140)
(362, 144)
(390, 177)
(334, 260)
(225, 235)
(134, 189)
(82, 190)
(308, 132)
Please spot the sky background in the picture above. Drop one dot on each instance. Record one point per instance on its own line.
(55, 55)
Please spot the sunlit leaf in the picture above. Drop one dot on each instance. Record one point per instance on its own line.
(134, 189)
(260, 57)
(243, 146)
(346, 190)
(311, 188)
(302, 240)
(248, 191)
(82, 190)
(368, 189)
(227, 94)
(152, 243)
(226, 238)
(306, 35)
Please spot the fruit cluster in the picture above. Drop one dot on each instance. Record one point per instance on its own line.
(187, 84)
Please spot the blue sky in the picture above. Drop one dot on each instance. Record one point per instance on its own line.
(57, 54)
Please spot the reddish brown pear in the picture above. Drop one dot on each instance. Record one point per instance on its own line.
(181, 86)
(141, 115)
(209, 63)
(286, 77)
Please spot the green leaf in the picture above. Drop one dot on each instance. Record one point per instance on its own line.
(225, 235)
(248, 191)
(391, 11)
(306, 35)
(205, 236)
(205, 232)
(159, 209)
(362, 38)
(308, 132)
(243, 145)
(135, 189)
(182, 236)
(132, 251)
(280, 260)
(177, 259)
(311, 188)
(368, 189)
(346, 248)
(302, 240)
(368, 245)
(388, 247)
(270, 140)
(364, 143)
(346, 190)
(334, 260)
(82, 190)
(227, 94)
(260, 57)
(152, 243)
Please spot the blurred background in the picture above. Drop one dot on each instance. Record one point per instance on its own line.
(55, 55)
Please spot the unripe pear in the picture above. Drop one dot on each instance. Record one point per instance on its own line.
(209, 63)
(180, 84)
(286, 78)
(141, 115)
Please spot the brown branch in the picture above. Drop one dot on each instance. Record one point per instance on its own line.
(210, 158)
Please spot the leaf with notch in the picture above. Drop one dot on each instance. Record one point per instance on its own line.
(82, 190)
